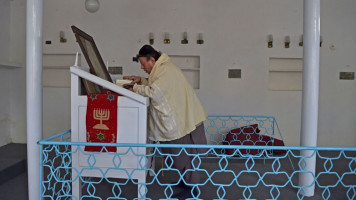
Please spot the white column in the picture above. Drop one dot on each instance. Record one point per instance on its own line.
(34, 94)
(311, 52)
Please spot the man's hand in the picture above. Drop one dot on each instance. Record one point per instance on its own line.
(134, 79)
(128, 86)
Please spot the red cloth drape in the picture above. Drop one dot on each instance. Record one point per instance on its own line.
(101, 120)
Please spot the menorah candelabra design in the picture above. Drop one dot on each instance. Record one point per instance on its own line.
(101, 114)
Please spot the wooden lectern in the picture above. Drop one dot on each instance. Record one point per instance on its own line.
(131, 128)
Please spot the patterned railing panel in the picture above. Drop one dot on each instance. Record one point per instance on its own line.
(218, 126)
(243, 130)
(221, 177)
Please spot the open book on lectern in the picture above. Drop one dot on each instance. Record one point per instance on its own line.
(94, 60)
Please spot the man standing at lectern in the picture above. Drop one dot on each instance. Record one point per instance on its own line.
(176, 115)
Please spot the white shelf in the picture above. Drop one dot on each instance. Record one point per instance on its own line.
(8, 64)
(190, 65)
(190, 69)
(300, 71)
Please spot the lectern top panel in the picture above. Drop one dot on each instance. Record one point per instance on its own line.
(92, 56)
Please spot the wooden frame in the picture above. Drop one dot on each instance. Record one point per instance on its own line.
(93, 58)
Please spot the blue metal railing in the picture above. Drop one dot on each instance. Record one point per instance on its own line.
(221, 175)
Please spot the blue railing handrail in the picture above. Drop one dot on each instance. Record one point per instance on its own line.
(231, 116)
(253, 116)
(55, 136)
(48, 142)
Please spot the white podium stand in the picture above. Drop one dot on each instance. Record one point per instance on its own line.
(131, 128)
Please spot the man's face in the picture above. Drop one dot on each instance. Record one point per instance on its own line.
(147, 64)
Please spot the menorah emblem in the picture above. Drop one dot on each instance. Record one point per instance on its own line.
(101, 114)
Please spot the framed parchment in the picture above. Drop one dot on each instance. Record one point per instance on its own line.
(93, 58)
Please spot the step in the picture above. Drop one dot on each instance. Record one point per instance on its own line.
(12, 161)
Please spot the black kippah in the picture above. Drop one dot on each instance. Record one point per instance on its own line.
(147, 50)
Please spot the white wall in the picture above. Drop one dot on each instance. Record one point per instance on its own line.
(12, 79)
(5, 27)
(5, 120)
(235, 34)
(337, 109)
(4, 53)
(18, 75)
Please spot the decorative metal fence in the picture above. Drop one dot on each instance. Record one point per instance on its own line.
(218, 126)
(243, 130)
(221, 175)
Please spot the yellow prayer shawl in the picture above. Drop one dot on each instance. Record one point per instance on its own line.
(174, 109)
